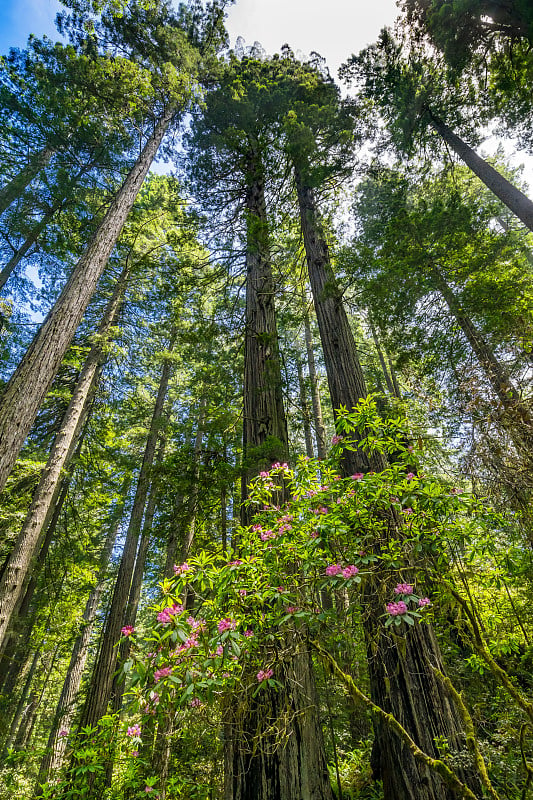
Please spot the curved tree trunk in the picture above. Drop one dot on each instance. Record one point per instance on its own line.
(19, 563)
(15, 187)
(30, 382)
(515, 200)
(401, 671)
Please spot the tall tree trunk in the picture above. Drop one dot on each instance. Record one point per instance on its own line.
(15, 573)
(304, 410)
(101, 684)
(66, 707)
(257, 764)
(515, 200)
(15, 187)
(497, 375)
(30, 382)
(401, 670)
(265, 438)
(320, 431)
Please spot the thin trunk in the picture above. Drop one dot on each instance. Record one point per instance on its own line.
(130, 615)
(497, 375)
(190, 519)
(515, 200)
(402, 680)
(66, 707)
(34, 234)
(14, 576)
(30, 382)
(19, 711)
(32, 237)
(379, 351)
(102, 678)
(15, 187)
(304, 410)
(320, 431)
(394, 378)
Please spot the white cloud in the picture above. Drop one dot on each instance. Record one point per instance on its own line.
(335, 28)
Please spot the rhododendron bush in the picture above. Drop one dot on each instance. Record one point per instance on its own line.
(225, 621)
(221, 620)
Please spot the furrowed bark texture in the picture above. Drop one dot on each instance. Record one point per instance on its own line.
(100, 688)
(515, 200)
(278, 753)
(273, 748)
(402, 680)
(13, 579)
(15, 187)
(265, 427)
(66, 706)
(27, 388)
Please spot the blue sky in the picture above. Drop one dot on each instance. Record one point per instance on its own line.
(19, 18)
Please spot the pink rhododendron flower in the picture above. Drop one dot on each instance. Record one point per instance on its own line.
(181, 569)
(333, 569)
(263, 474)
(410, 476)
(135, 730)
(127, 630)
(403, 588)
(336, 439)
(407, 510)
(313, 534)
(424, 601)
(164, 672)
(292, 609)
(243, 592)
(350, 571)
(135, 753)
(235, 563)
(63, 733)
(266, 535)
(226, 625)
(396, 609)
(195, 702)
(358, 476)
(249, 632)
(264, 675)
